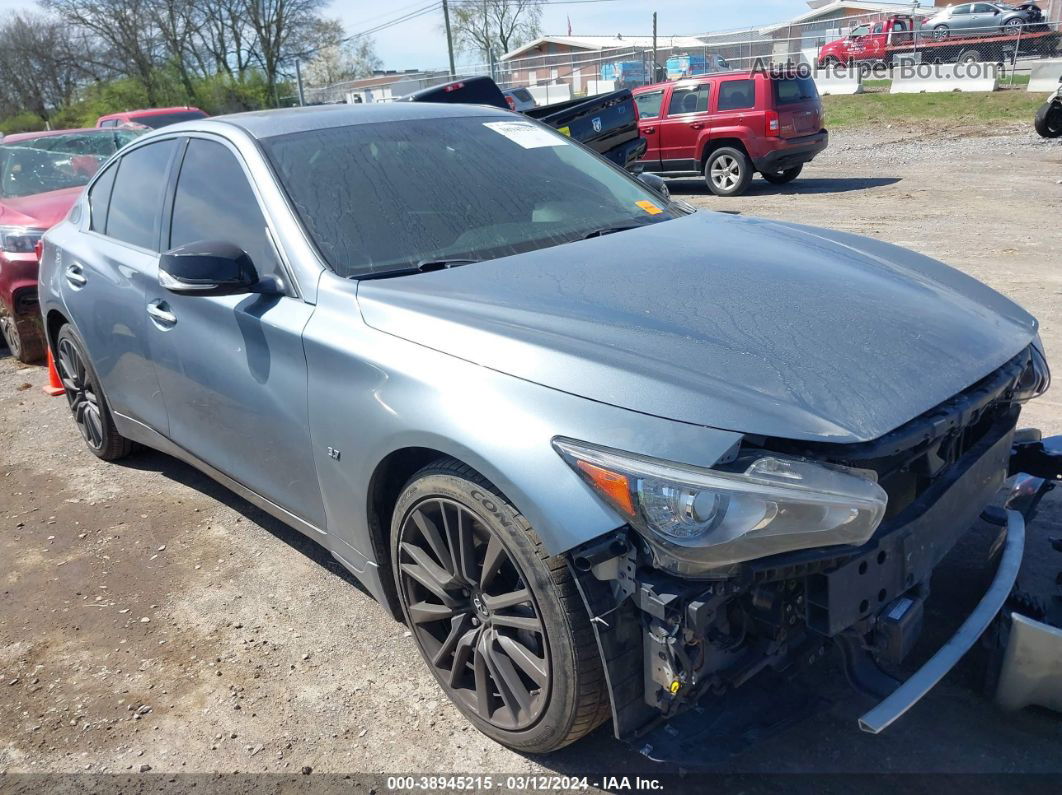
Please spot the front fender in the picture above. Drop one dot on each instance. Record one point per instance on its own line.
(371, 394)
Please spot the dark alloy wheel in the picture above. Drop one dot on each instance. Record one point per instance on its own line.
(473, 615)
(498, 620)
(86, 400)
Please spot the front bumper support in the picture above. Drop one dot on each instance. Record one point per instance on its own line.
(913, 689)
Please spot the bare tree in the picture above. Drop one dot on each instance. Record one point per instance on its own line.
(493, 27)
(42, 64)
(276, 25)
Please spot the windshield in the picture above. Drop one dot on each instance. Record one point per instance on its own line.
(386, 197)
(156, 120)
(26, 172)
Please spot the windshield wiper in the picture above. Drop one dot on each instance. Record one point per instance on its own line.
(608, 230)
(424, 266)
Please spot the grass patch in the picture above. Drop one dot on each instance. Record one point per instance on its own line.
(867, 110)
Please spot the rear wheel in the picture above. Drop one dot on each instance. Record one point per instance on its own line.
(782, 177)
(22, 336)
(941, 32)
(727, 172)
(85, 396)
(970, 56)
(1048, 121)
(498, 621)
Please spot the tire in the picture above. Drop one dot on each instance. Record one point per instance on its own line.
(86, 399)
(782, 177)
(22, 336)
(727, 172)
(535, 687)
(1048, 121)
(1012, 26)
(969, 56)
(941, 32)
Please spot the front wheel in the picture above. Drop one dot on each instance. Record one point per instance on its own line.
(85, 396)
(727, 172)
(1048, 121)
(782, 177)
(498, 621)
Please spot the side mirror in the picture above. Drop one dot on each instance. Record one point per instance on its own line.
(655, 183)
(211, 268)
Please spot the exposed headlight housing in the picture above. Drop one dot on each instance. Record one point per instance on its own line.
(1036, 378)
(702, 522)
(19, 239)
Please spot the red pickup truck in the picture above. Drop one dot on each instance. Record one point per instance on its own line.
(730, 125)
(902, 36)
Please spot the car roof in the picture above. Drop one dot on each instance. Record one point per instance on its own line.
(270, 123)
(149, 112)
(695, 79)
(29, 136)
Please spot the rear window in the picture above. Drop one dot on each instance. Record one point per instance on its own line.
(522, 94)
(736, 94)
(156, 120)
(791, 90)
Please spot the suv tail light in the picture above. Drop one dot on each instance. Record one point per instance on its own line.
(39, 250)
(511, 101)
(773, 124)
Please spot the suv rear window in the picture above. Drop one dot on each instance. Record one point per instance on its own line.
(522, 94)
(736, 94)
(790, 90)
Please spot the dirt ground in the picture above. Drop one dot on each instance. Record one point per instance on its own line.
(149, 619)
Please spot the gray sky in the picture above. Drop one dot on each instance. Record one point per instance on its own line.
(419, 43)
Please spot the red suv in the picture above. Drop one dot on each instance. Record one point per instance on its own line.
(728, 126)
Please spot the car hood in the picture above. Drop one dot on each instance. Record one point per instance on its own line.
(42, 210)
(736, 323)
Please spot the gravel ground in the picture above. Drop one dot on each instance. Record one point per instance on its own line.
(151, 620)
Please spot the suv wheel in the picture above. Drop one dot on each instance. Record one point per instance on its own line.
(498, 621)
(1048, 121)
(22, 337)
(782, 177)
(727, 172)
(86, 399)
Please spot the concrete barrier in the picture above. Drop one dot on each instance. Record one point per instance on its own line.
(944, 78)
(551, 94)
(595, 87)
(839, 81)
(1045, 75)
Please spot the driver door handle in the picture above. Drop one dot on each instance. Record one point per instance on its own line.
(74, 276)
(159, 311)
(649, 130)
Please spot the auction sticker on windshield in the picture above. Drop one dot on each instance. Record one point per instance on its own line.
(527, 135)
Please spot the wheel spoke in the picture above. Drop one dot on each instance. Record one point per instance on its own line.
(527, 623)
(482, 679)
(431, 534)
(426, 612)
(495, 603)
(534, 667)
(492, 560)
(419, 574)
(443, 578)
(510, 687)
(466, 549)
(458, 627)
(463, 650)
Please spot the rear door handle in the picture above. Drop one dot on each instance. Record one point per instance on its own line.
(75, 277)
(159, 311)
(696, 125)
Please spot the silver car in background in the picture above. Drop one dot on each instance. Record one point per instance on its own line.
(607, 457)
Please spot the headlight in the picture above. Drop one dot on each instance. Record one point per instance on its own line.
(1036, 378)
(19, 239)
(700, 522)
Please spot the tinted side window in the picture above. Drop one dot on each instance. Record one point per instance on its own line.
(100, 198)
(691, 99)
(649, 104)
(214, 201)
(737, 94)
(136, 202)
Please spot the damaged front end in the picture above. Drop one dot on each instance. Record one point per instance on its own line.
(685, 622)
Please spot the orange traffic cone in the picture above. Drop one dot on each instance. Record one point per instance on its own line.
(55, 384)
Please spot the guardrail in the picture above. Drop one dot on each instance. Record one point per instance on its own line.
(1045, 75)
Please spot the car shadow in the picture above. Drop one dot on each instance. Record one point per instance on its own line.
(148, 460)
(694, 186)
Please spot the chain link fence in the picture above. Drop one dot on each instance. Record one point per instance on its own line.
(871, 40)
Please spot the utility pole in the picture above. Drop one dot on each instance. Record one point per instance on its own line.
(652, 77)
(449, 37)
(298, 82)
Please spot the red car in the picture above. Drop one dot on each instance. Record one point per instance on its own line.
(728, 126)
(150, 117)
(41, 174)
